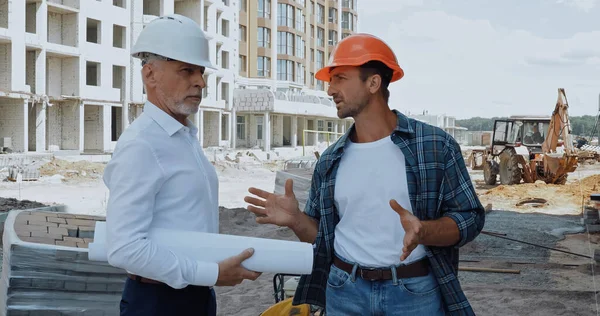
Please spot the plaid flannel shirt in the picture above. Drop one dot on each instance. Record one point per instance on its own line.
(439, 185)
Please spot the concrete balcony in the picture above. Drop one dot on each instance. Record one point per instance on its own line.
(101, 93)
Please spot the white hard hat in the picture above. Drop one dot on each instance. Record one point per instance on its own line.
(175, 37)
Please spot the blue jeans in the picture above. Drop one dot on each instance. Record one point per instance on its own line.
(348, 294)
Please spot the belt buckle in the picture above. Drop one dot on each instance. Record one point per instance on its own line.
(379, 274)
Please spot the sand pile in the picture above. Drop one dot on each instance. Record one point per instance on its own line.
(79, 170)
(562, 199)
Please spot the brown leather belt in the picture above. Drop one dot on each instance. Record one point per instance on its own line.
(142, 279)
(415, 269)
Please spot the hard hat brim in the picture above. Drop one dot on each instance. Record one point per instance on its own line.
(323, 73)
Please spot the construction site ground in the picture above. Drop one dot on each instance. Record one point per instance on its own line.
(548, 283)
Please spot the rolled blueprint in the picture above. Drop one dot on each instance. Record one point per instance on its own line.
(270, 255)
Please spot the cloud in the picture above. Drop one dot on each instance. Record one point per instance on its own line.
(371, 7)
(584, 5)
(472, 67)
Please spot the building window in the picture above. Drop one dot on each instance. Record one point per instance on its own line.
(241, 127)
(299, 46)
(285, 43)
(243, 67)
(242, 33)
(299, 20)
(264, 37)
(243, 5)
(320, 58)
(285, 15)
(347, 21)
(285, 70)
(319, 85)
(300, 73)
(320, 14)
(263, 66)
(333, 36)
(332, 15)
(264, 9)
(320, 36)
(350, 4)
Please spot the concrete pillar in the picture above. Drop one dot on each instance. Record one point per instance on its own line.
(167, 7)
(294, 140)
(201, 127)
(198, 123)
(335, 130)
(25, 125)
(233, 128)
(267, 133)
(106, 120)
(40, 127)
(220, 123)
(81, 127)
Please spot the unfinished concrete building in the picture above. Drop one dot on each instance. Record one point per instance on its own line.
(282, 43)
(68, 83)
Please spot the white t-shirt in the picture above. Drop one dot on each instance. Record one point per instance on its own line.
(369, 231)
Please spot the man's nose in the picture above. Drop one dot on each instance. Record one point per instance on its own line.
(331, 90)
(199, 80)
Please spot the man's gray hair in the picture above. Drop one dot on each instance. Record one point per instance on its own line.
(149, 57)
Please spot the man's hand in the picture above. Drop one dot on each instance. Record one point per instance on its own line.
(281, 210)
(413, 229)
(231, 271)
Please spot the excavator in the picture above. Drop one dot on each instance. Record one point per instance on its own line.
(521, 152)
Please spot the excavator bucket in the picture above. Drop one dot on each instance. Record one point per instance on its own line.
(557, 166)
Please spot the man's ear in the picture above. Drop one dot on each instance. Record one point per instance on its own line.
(374, 83)
(149, 75)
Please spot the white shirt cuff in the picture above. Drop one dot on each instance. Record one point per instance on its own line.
(206, 273)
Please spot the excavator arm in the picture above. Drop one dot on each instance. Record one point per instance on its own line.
(557, 165)
(559, 124)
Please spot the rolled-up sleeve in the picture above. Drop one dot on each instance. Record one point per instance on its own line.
(134, 177)
(460, 201)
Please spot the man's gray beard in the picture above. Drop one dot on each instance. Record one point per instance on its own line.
(182, 108)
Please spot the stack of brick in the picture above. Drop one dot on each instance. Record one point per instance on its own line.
(591, 219)
(46, 270)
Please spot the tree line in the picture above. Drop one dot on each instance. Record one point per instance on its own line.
(580, 125)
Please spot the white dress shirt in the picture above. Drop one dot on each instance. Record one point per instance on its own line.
(159, 177)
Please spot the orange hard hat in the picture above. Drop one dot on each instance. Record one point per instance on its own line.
(358, 49)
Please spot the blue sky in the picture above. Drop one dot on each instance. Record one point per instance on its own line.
(490, 57)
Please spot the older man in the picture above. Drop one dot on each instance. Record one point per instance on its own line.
(160, 177)
(390, 202)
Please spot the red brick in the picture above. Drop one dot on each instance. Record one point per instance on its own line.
(21, 233)
(82, 245)
(65, 215)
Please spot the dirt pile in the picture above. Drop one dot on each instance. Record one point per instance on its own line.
(562, 199)
(7, 204)
(79, 170)
(576, 189)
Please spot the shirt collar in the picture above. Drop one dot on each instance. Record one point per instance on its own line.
(167, 122)
(402, 126)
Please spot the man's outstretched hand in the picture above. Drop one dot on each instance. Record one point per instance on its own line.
(413, 229)
(281, 210)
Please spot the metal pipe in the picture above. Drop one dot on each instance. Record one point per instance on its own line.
(536, 245)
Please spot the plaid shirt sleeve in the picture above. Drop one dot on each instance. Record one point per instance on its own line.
(460, 201)
(312, 202)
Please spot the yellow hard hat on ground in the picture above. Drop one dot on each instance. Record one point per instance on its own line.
(285, 308)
